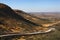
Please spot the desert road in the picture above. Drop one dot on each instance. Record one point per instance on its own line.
(34, 33)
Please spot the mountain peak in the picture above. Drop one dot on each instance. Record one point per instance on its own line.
(6, 11)
(2, 5)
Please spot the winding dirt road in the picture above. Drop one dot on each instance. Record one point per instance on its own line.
(34, 33)
(27, 34)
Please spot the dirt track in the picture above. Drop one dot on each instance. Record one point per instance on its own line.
(34, 33)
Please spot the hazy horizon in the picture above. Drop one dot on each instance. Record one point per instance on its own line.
(34, 5)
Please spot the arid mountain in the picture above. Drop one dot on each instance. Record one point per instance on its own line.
(16, 21)
(19, 21)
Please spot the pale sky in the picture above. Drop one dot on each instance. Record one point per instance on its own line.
(34, 5)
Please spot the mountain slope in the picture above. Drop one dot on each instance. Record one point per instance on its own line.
(33, 18)
(13, 22)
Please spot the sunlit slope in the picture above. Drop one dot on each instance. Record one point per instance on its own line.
(13, 22)
(33, 18)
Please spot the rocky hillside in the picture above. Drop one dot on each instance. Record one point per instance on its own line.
(17, 21)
